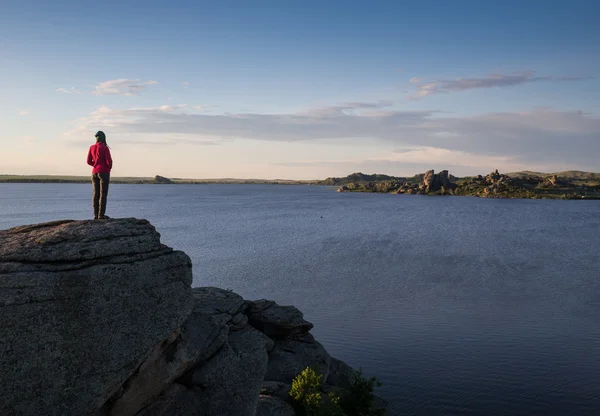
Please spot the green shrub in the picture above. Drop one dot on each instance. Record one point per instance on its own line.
(361, 400)
(307, 391)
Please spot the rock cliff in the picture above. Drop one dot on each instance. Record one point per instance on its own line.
(99, 318)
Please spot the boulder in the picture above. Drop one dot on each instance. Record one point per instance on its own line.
(273, 406)
(433, 182)
(200, 338)
(82, 305)
(229, 382)
(444, 180)
(277, 321)
(428, 180)
(225, 306)
(291, 356)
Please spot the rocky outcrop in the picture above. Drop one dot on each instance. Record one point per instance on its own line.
(162, 179)
(98, 318)
(428, 180)
(555, 182)
(229, 383)
(82, 305)
(493, 185)
(277, 321)
(433, 182)
(199, 338)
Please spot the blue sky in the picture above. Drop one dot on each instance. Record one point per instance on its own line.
(300, 89)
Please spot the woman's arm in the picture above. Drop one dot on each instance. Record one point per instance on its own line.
(109, 162)
(90, 159)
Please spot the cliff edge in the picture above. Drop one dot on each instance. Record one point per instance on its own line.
(99, 318)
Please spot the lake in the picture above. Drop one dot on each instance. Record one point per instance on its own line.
(458, 305)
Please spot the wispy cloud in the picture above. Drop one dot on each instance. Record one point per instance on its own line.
(165, 108)
(349, 108)
(491, 81)
(186, 84)
(71, 90)
(534, 136)
(204, 107)
(122, 86)
(23, 112)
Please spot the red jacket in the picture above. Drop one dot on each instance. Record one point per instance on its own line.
(99, 158)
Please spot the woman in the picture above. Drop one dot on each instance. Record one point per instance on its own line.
(101, 161)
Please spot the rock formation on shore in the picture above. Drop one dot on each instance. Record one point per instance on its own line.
(99, 318)
(430, 183)
(162, 179)
(493, 185)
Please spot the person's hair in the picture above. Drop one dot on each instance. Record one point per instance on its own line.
(101, 138)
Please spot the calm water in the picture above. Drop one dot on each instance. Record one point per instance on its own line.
(459, 305)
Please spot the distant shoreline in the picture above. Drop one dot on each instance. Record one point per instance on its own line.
(150, 181)
(518, 185)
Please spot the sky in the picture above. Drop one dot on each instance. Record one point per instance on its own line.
(292, 89)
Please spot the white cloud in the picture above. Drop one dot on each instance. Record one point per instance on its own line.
(72, 90)
(203, 107)
(122, 86)
(186, 84)
(169, 108)
(491, 81)
(350, 108)
(23, 112)
(538, 136)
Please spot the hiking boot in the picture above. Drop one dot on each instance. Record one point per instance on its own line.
(104, 217)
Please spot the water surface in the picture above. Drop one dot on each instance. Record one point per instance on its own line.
(459, 305)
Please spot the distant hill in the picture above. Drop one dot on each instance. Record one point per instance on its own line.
(573, 175)
(359, 177)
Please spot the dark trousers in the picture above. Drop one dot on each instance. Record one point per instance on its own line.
(100, 182)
